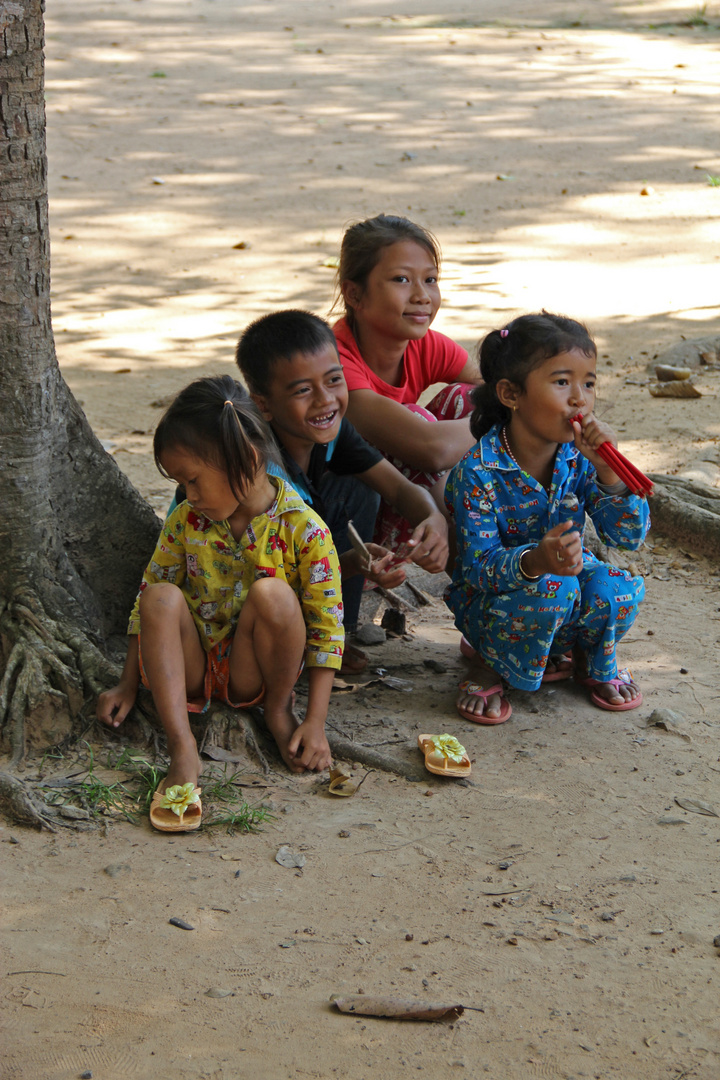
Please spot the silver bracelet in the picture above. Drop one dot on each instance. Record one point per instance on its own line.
(528, 577)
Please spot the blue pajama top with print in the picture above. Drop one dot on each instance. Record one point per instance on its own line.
(500, 510)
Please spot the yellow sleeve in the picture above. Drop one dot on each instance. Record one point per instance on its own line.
(321, 598)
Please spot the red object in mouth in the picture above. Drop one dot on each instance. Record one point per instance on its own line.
(636, 481)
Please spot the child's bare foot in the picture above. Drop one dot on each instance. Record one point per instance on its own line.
(475, 701)
(558, 667)
(615, 695)
(184, 766)
(617, 692)
(282, 724)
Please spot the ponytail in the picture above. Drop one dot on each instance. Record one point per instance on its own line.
(214, 419)
(489, 410)
(237, 451)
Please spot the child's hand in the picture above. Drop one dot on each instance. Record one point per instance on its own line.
(591, 434)
(559, 553)
(429, 544)
(114, 705)
(384, 571)
(309, 747)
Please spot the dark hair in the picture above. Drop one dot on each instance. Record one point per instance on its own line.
(513, 352)
(214, 419)
(279, 336)
(361, 247)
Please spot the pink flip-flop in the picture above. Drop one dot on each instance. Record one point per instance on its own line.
(475, 690)
(624, 677)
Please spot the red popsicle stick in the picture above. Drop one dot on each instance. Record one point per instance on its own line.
(638, 483)
(612, 455)
(624, 468)
(628, 473)
(630, 476)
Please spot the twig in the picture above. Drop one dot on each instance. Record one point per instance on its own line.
(422, 597)
(393, 600)
(396, 847)
(364, 779)
(506, 892)
(359, 546)
(350, 751)
(32, 971)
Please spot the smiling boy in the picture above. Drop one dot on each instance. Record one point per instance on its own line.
(290, 364)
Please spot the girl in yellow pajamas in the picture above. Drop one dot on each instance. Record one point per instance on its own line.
(243, 589)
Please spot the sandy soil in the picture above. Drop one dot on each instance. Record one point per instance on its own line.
(562, 894)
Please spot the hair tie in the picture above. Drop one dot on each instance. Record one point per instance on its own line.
(227, 401)
(504, 333)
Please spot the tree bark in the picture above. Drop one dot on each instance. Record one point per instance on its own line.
(75, 536)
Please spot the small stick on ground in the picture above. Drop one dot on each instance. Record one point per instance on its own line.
(374, 759)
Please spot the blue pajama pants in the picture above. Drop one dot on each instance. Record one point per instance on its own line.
(516, 632)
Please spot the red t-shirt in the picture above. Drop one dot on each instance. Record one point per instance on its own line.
(432, 359)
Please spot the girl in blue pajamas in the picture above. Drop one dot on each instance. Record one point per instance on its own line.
(524, 591)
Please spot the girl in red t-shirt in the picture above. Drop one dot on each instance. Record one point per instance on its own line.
(388, 283)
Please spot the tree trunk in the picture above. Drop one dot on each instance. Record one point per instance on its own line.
(75, 536)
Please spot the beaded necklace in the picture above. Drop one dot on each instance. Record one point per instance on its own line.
(508, 451)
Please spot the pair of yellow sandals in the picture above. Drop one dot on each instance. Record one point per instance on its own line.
(179, 808)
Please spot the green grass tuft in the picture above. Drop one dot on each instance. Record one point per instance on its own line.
(130, 797)
(245, 818)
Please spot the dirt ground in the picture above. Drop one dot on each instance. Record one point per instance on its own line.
(204, 159)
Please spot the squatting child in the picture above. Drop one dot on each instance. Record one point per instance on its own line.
(524, 590)
(242, 590)
(388, 280)
(289, 361)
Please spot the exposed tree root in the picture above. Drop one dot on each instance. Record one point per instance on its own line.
(51, 668)
(237, 730)
(687, 512)
(243, 731)
(18, 804)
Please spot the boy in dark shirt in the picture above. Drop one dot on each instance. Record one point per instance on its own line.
(290, 365)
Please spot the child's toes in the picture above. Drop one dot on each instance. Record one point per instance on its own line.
(482, 706)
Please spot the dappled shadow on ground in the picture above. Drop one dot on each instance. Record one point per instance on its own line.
(204, 162)
(171, 136)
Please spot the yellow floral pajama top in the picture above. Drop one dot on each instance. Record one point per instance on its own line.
(214, 571)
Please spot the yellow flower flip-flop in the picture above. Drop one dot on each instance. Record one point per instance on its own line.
(444, 755)
(178, 809)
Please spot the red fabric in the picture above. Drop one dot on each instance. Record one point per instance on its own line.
(217, 679)
(432, 359)
(392, 530)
